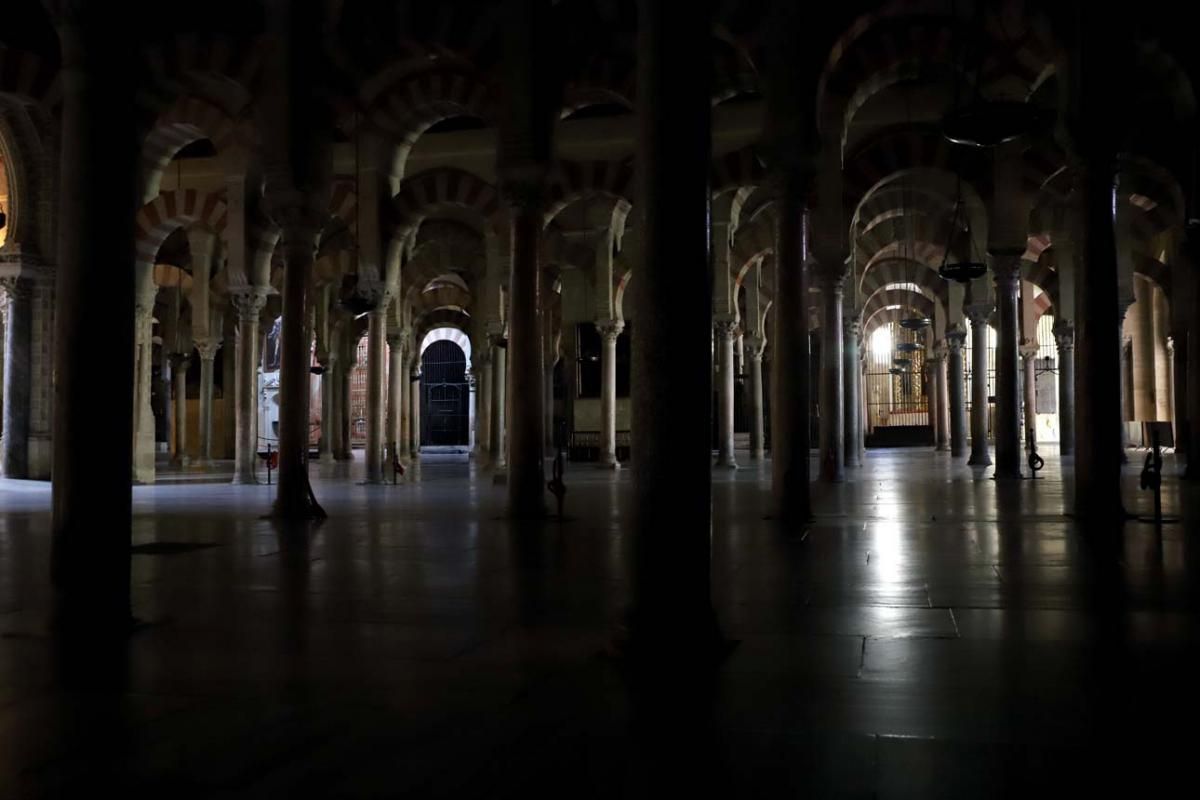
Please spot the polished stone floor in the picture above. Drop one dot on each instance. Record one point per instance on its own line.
(933, 634)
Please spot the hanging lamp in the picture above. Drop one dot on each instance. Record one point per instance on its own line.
(962, 271)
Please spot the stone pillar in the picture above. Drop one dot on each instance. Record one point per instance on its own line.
(337, 366)
(414, 395)
(525, 414)
(852, 406)
(672, 622)
(1125, 353)
(325, 442)
(94, 320)
(956, 390)
(143, 414)
(179, 368)
(942, 406)
(610, 331)
(790, 435)
(376, 392)
(833, 428)
(980, 455)
(483, 396)
(345, 437)
(754, 357)
(1179, 396)
(293, 499)
(1006, 265)
(207, 349)
(1098, 453)
(249, 306)
(1064, 337)
(1145, 403)
(18, 376)
(725, 330)
(499, 385)
(395, 397)
(1029, 399)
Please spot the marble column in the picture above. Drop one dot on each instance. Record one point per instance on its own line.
(790, 434)
(376, 392)
(292, 500)
(414, 416)
(1125, 353)
(852, 407)
(725, 330)
(325, 443)
(1145, 403)
(1029, 392)
(833, 427)
(526, 484)
(1064, 337)
(754, 357)
(1006, 266)
(336, 368)
(956, 391)
(143, 413)
(249, 306)
(499, 409)
(179, 367)
(672, 624)
(1098, 451)
(18, 376)
(395, 395)
(94, 321)
(483, 396)
(207, 350)
(345, 434)
(980, 453)
(942, 438)
(610, 331)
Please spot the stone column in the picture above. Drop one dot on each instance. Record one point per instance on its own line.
(1125, 353)
(249, 306)
(1179, 397)
(1029, 401)
(980, 454)
(833, 427)
(18, 376)
(957, 402)
(725, 330)
(376, 392)
(179, 367)
(143, 414)
(293, 500)
(1064, 337)
(499, 385)
(94, 320)
(942, 439)
(754, 357)
(336, 367)
(790, 435)
(345, 437)
(395, 396)
(483, 417)
(1145, 403)
(414, 394)
(610, 331)
(207, 349)
(852, 407)
(1006, 265)
(525, 415)
(672, 623)
(325, 442)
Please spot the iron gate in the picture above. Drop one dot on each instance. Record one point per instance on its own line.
(445, 395)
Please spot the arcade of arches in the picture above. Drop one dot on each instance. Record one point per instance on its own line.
(734, 264)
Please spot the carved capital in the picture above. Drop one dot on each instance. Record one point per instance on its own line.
(978, 314)
(1028, 349)
(1006, 266)
(754, 345)
(725, 327)
(16, 287)
(609, 329)
(852, 327)
(207, 348)
(955, 339)
(249, 304)
(1064, 334)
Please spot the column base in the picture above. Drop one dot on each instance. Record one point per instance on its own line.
(240, 480)
(40, 456)
(941, 448)
(979, 461)
(726, 463)
(610, 465)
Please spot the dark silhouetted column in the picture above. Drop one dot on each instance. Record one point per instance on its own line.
(18, 376)
(1006, 265)
(958, 407)
(610, 331)
(1064, 336)
(833, 430)
(980, 455)
(725, 330)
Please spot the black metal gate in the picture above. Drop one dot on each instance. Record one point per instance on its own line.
(445, 395)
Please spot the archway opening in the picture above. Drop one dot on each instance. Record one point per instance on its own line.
(445, 394)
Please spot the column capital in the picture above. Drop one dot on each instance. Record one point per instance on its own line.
(955, 339)
(610, 329)
(754, 345)
(16, 286)
(249, 303)
(1027, 350)
(1064, 334)
(978, 314)
(1171, 344)
(851, 326)
(726, 326)
(1006, 264)
(207, 348)
(397, 341)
